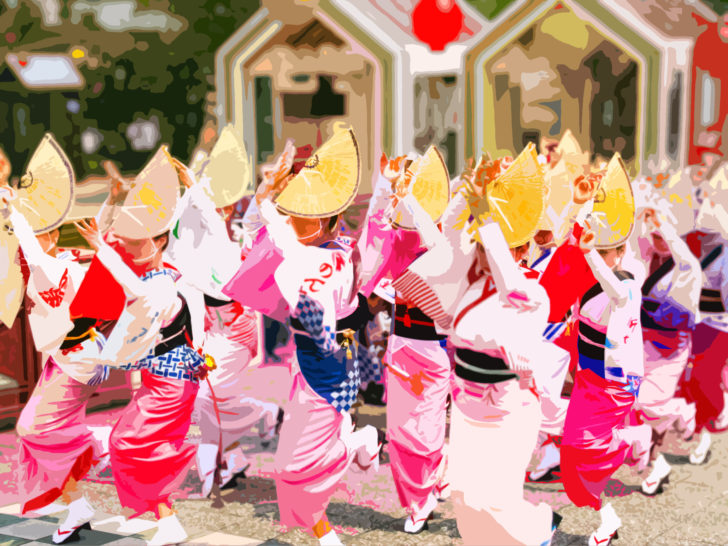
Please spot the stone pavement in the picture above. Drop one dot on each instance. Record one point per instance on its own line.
(693, 510)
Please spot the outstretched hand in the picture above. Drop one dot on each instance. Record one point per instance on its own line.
(118, 185)
(7, 195)
(90, 232)
(182, 172)
(588, 238)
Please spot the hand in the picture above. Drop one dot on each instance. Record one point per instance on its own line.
(90, 232)
(588, 238)
(650, 218)
(7, 195)
(118, 185)
(183, 173)
(400, 190)
(477, 200)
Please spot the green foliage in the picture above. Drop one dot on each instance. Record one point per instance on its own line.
(490, 8)
(719, 6)
(139, 74)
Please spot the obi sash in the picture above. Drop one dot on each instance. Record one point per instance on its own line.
(481, 368)
(413, 323)
(591, 343)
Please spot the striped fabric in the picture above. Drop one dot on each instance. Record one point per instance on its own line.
(411, 288)
(553, 330)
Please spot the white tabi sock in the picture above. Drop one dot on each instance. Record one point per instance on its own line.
(170, 531)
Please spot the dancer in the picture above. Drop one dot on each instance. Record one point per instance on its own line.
(596, 437)
(316, 280)
(702, 382)
(669, 307)
(57, 447)
(564, 170)
(154, 333)
(494, 316)
(418, 368)
(206, 257)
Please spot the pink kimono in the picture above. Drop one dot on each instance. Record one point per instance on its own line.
(598, 432)
(314, 448)
(496, 414)
(669, 308)
(418, 369)
(149, 456)
(55, 442)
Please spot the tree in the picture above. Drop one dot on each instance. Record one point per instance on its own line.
(164, 76)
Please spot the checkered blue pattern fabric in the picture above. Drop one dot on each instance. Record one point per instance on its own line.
(345, 396)
(179, 363)
(310, 314)
(370, 367)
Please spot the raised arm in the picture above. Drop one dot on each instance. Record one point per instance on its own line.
(280, 231)
(687, 273)
(32, 250)
(427, 229)
(455, 217)
(506, 274)
(610, 283)
(133, 286)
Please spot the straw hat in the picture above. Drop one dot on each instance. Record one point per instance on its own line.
(679, 213)
(560, 175)
(44, 196)
(45, 192)
(228, 170)
(614, 206)
(148, 210)
(428, 182)
(713, 214)
(328, 182)
(12, 286)
(516, 198)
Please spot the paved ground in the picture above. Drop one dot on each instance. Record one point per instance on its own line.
(693, 510)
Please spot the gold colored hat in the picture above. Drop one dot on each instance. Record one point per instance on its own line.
(228, 169)
(560, 176)
(148, 210)
(517, 199)
(12, 287)
(329, 181)
(614, 206)
(568, 145)
(429, 183)
(45, 192)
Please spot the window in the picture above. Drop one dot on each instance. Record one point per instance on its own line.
(264, 117)
(608, 113)
(325, 102)
(436, 118)
(708, 100)
(554, 106)
(673, 116)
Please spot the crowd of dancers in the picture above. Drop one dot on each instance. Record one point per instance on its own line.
(493, 288)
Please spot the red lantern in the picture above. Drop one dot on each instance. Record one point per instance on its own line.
(437, 22)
